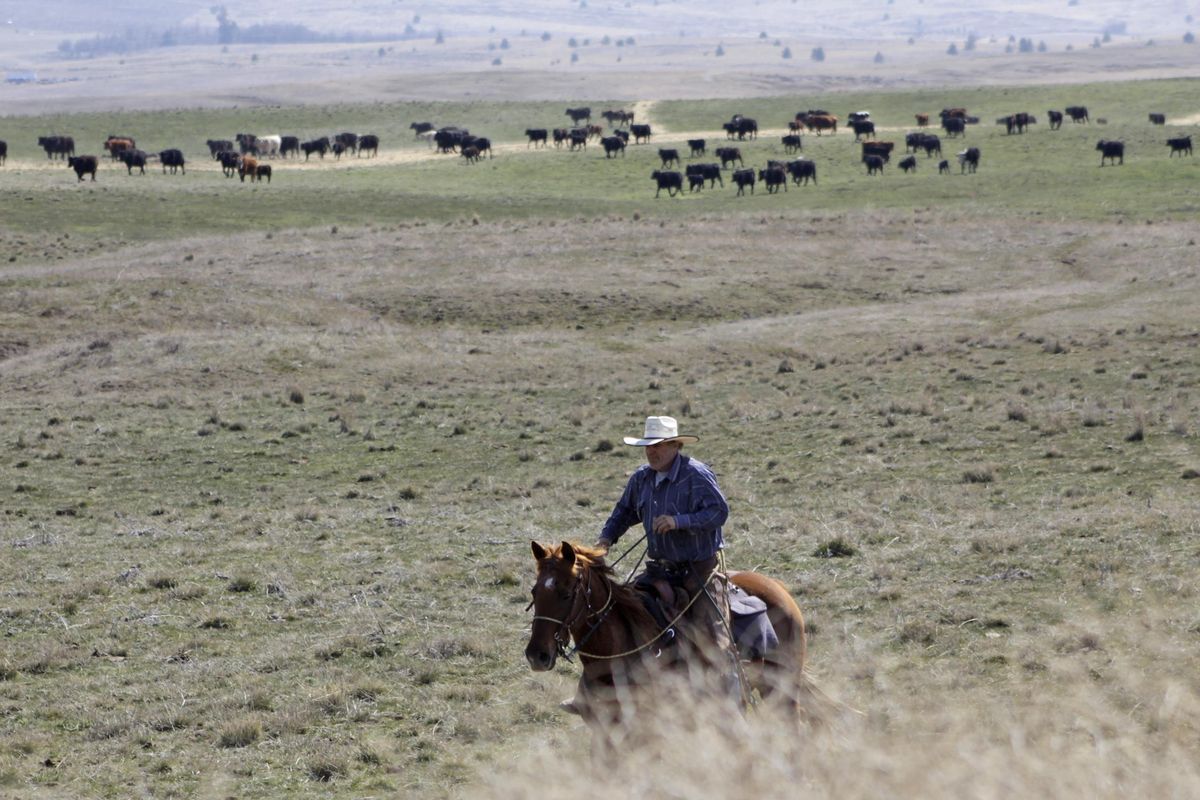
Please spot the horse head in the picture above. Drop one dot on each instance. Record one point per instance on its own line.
(556, 593)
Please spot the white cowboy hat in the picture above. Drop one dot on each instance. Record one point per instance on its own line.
(658, 430)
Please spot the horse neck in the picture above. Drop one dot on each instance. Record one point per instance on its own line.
(605, 627)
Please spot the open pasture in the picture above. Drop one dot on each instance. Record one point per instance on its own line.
(271, 456)
(1042, 172)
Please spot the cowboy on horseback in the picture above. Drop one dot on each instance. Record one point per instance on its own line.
(679, 504)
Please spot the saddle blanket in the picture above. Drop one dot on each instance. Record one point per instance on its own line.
(752, 629)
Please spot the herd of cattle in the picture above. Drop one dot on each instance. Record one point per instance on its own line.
(246, 155)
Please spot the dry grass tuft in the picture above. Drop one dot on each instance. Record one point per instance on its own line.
(240, 733)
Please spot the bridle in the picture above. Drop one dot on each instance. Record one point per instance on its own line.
(576, 613)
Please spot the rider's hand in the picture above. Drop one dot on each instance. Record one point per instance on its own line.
(664, 523)
(602, 545)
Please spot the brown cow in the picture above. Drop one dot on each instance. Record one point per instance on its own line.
(922, 120)
(115, 145)
(248, 167)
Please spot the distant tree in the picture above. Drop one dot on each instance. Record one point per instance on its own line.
(606, 40)
(952, 50)
(1026, 45)
(504, 44)
(1042, 46)
(1008, 48)
(496, 61)
(381, 52)
(787, 52)
(546, 38)
(441, 39)
(1107, 37)
(1096, 42)
(720, 50)
(878, 58)
(574, 57)
(817, 54)
(254, 58)
(762, 34)
(572, 42)
(416, 19)
(491, 46)
(1012, 39)
(969, 44)
(912, 40)
(1189, 38)
(629, 41)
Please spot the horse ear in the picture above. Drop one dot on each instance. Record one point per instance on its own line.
(539, 552)
(568, 555)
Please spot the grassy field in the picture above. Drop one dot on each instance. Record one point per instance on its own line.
(271, 456)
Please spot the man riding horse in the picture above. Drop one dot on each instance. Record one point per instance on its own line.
(679, 504)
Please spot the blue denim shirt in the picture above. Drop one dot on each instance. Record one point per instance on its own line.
(690, 494)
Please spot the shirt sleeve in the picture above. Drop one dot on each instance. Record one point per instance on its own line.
(710, 510)
(626, 512)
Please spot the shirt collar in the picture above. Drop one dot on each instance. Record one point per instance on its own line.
(672, 473)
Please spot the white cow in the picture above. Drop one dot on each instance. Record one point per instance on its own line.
(268, 145)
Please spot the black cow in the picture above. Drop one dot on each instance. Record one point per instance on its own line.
(367, 142)
(231, 161)
(728, 155)
(704, 172)
(338, 148)
(217, 146)
(791, 143)
(671, 181)
(667, 155)
(1056, 119)
(874, 164)
(743, 178)
(318, 146)
(697, 146)
(695, 179)
(1077, 113)
(1113, 152)
(421, 127)
(536, 136)
(83, 165)
(246, 143)
(881, 149)
(801, 169)
(483, 144)
(578, 115)
(1181, 145)
(348, 140)
(561, 135)
(613, 145)
(578, 139)
(968, 160)
(640, 133)
(448, 139)
(470, 152)
(741, 127)
(773, 176)
(3, 151)
(133, 158)
(624, 135)
(954, 126)
(943, 167)
(57, 146)
(1158, 119)
(931, 144)
(863, 127)
(172, 158)
(912, 141)
(263, 171)
(908, 163)
(289, 144)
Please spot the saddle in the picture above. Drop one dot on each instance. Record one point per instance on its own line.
(753, 632)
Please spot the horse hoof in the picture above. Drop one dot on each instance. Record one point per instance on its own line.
(571, 707)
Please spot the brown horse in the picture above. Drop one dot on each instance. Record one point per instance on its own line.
(622, 647)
